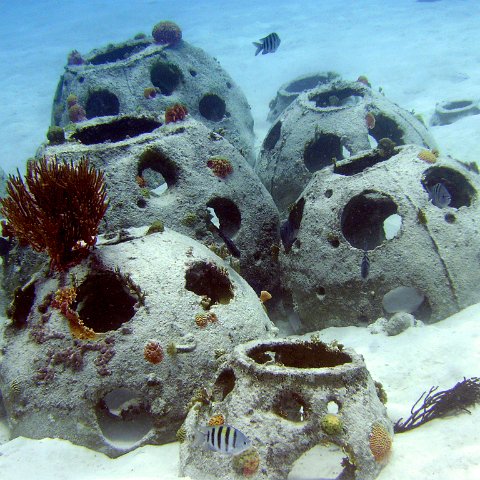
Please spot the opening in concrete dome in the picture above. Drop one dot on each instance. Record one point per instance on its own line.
(212, 107)
(104, 301)
(207, 279)
(291, 405)
(403, 299)
(118, 52)
(166, 77)
(336, 98)
(23, 299)
(223, 385)
(363, 217)
(358, 163)
(152, 182)
(155, 160)
(122, 417)
(273, 136)
(321, 151)
(299, 355)
(327, 460)
(308, 82)
(462, 193)
(102, 103)
(115, 131)
(386, 127)
(228, 215)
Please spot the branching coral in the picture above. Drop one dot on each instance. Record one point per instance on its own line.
(175, 113)
(57, 209)
(461, 397)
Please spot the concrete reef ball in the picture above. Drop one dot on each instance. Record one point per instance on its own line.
(325, 125)
(290, 90)
(113, 81)
(110, 359)
(278, 393)
(181, 174)
(371, 241)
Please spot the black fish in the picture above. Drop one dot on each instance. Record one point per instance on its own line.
(232, 248)
(365, 265)
(5, 247)
(288, 234)
(268, 44)
(289, 229)
(439, 195)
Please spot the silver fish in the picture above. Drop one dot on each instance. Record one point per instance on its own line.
(268, 44)
(439, 195)
(223, 439)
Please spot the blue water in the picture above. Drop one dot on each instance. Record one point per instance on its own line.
(396, 43)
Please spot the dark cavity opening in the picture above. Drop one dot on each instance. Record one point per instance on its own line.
(116, 131)
(342, 97)
(321, 151)
(357, 164)
(291, 406)
(272, 137)
(207, 279)
(309, 82)
(160, 163)
(166, 77)
(102, 103)
(123, 418)
(385, 127)
(363, 217)
(228, 215)
(104, 302)
(23, 299)
(212, 107)
(462, 193)
(299, 355)
(116, 53)
(459, 104)
(224, 384)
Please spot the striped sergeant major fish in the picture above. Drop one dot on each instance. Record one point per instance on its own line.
(268, 44)
(223, 439)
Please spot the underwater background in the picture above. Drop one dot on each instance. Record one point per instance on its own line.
(418, 53)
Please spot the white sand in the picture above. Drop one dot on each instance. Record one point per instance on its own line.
(419, 53)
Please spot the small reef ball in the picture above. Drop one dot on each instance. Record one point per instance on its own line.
(167, 32)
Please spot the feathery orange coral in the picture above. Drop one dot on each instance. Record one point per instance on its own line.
(57, 209)
(64, 297)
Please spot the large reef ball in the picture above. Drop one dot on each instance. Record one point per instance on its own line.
(167, 32)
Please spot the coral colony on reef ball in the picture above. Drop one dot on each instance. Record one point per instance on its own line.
(127, 307)
(57, 209)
